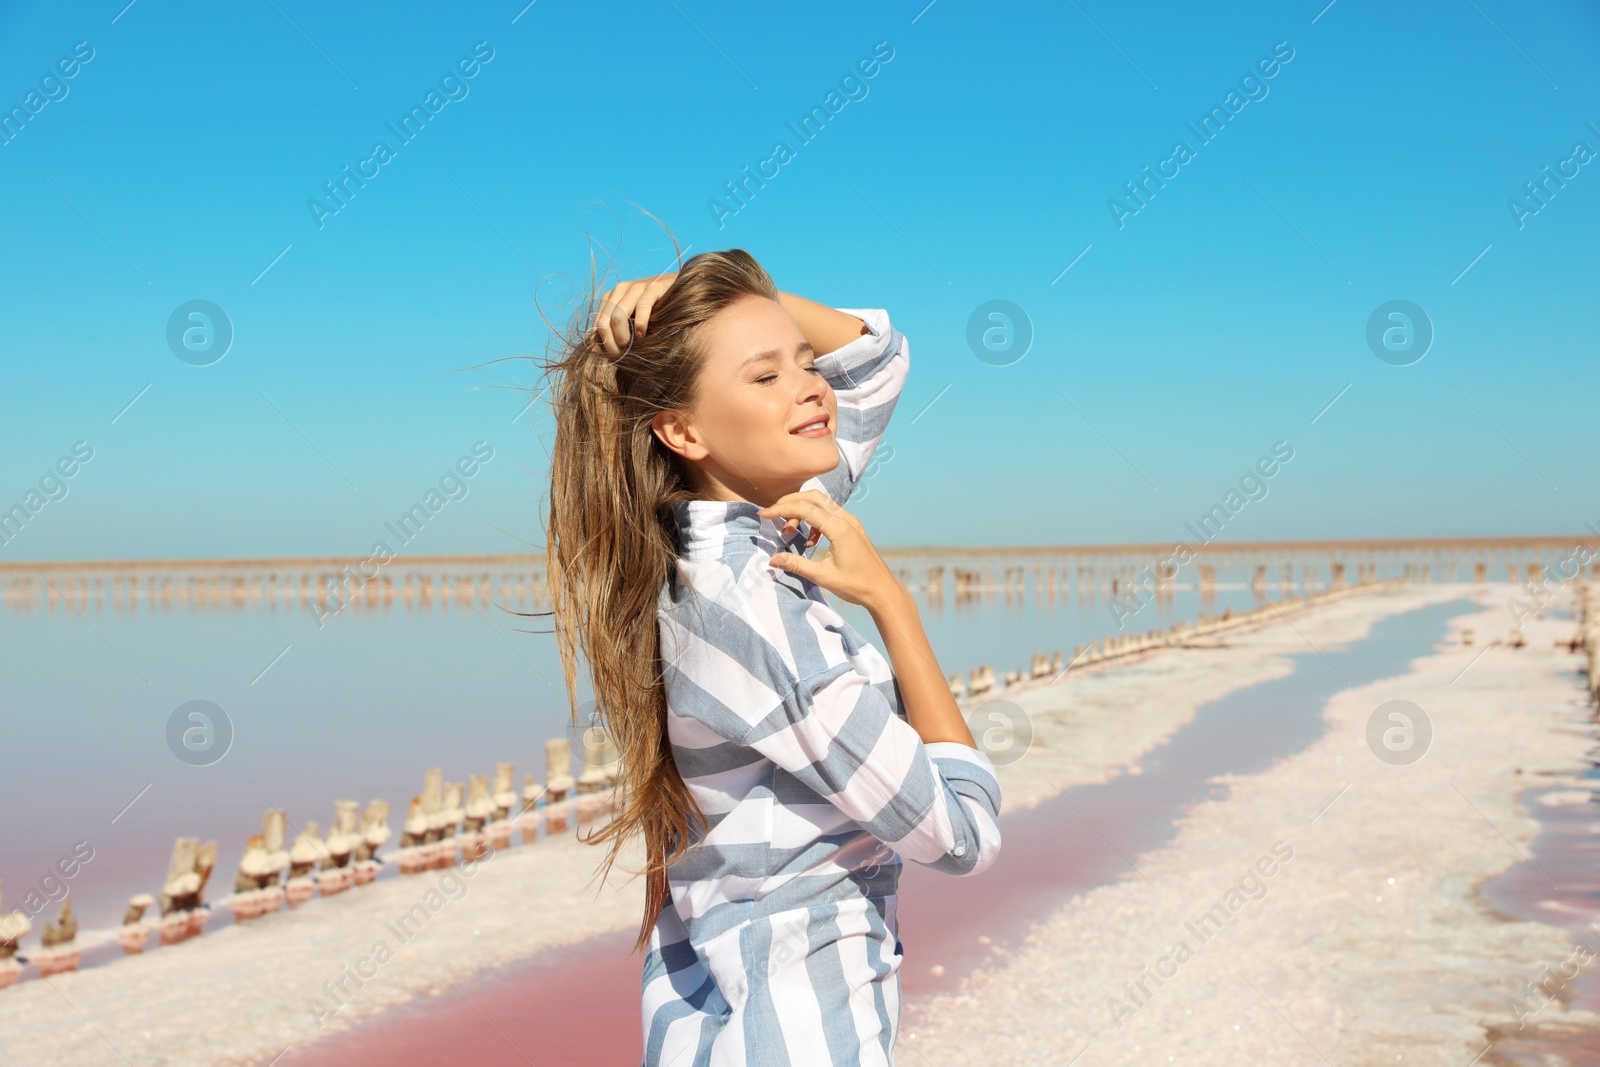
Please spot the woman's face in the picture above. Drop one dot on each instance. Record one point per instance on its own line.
(757, 387)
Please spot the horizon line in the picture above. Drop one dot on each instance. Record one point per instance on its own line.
(1122, 548)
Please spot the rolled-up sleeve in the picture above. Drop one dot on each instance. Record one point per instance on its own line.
(935, 804)
(867, 376)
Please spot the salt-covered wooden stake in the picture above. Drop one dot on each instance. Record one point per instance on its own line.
(307, 852)
(449, 845)
(258, 889)
(180, 892)
(60, 951)
(433, 812)
(479, 810)
(13, 928)
(374, 832)
(183, 914)
(205, 861)
(611, 771)
(592, 779)
(275, 829)
(611, 760)
(504, 796)
(479, 806)
(134, 933)
(559, 783)
(343, 837)
(245, 902)
(413, 832)
(504, 790)
(528, 818)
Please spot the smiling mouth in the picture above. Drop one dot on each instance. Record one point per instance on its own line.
(817, 427)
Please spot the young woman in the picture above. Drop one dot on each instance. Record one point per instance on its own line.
(709, 429)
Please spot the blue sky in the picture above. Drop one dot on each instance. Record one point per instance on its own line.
(976, 164)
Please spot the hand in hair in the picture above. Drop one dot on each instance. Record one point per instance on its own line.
(628, 300)
(853, 570)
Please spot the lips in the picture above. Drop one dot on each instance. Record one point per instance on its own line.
(813, 427)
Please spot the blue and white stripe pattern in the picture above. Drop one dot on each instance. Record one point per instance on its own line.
(780, 943)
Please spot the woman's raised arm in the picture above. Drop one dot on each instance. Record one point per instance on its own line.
(825, 328)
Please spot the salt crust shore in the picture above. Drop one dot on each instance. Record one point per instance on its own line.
(1320, 951)
(1334, 963)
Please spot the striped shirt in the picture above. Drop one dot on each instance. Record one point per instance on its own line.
(780, 945)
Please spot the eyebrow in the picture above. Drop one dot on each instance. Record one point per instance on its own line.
(774, 353)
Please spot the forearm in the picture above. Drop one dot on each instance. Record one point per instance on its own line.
(930, 708)
(826, 328)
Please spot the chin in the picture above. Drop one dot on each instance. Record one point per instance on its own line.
(820, 456)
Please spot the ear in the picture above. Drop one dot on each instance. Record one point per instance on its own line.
(677, 431)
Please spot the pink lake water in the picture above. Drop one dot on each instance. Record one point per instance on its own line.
(357, 709)
(579, 1006)
(1558, 884)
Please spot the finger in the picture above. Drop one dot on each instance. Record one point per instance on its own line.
(795, 564)
(602, 323)
(813, 506)
(621, 332)
(602, 330)
(647, 301)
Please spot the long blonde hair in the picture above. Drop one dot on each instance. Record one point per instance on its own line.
(612, 541)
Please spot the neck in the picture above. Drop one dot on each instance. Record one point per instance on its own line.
(711, 487)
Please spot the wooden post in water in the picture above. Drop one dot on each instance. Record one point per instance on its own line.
(414, 831)
(13, 928)
(433, 815)
(134, 933)
(343, 837)
(528, 817)
(449, 845)
(592, 779)
(374, 832)
(559, 783)
(60, 951)
(479, 810)
(504, 796)
(307, 851)
(183, 914)
(256, 888)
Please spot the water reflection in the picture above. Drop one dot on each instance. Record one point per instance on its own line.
(336, 689)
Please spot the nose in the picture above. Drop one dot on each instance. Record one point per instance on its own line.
(813, 388)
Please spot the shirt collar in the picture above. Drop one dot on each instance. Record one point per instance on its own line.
(711, 529)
